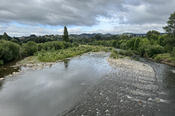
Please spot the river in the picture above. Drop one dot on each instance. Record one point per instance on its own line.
(88, 85)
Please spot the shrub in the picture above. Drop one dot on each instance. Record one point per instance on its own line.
(173, 52)
(1, 62)
(154, 49)
(54, 45)
(9, 51)
(164, 57)
(52, 56)
(123, 45)
(126, 53)
(29, 48)
(114, 54)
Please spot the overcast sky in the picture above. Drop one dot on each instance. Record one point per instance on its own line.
(40, 17)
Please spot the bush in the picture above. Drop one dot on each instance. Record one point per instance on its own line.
(123, 45)
(52, 56)
(1, 62)
(114, 54)
(29, 48)
(54, 45)
(126, 53)
(173, 52)
(9, 51)
(154, 49)
(164, 57)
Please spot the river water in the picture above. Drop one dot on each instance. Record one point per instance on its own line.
(88, 85)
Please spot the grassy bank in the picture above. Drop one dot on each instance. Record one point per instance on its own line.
(52, 56)
(122, 53)
(165, 58)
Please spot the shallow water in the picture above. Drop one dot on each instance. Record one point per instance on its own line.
(52, 90)
(165, 77)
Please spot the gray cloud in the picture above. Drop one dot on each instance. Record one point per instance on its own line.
(149, 11)
(122, 15)
(84, 12)
(55, 12)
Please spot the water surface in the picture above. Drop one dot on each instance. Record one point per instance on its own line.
(50, 91)
(87, 84)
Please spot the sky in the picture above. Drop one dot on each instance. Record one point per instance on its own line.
(41, 17)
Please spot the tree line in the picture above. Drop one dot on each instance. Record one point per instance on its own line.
(153, 45)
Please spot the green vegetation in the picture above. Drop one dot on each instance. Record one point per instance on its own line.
(153, 45)
(29, 48)
(65, 36)
(165, 58)
(8, 51)
(52, 56)
(114, 54)
(54, 45)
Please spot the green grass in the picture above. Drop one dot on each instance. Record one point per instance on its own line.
(114, 54)
(126, 52)
(166, 57)
(1, 62)
(28, 60)
(52, 56)
(121, 54)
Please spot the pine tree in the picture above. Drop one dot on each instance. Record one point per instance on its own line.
(65, 35)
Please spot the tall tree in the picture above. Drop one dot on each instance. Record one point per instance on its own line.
(170, 28)
(65, 35)
(6, 37)
(153, 35)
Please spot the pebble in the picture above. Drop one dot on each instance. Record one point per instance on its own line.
(150, 99)
(1, 79)
(173, 71)
(107, 111)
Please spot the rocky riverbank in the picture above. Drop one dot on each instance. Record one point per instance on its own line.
(129, 90)
(132, 65)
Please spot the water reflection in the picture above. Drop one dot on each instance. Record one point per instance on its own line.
(66, 63)
(1, 84)
(50, 91)
(169, 79)
(8, 69)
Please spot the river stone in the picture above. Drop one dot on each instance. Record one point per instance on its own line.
(173, 71)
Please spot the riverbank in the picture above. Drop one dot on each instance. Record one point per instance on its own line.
(165, 58)
(51, 57)
(132, 65)
(47, 58)
(129, 89)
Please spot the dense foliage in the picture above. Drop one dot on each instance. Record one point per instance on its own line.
(65, 35)
(154, 45)
(9, 51)
(52, 56)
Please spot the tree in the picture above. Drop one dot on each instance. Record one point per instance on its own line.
(65, 36)
(170, 28)
(6, 37)
(8, 51)
(29, 48)
(136, 43)
(152, 35)
(97, 37)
